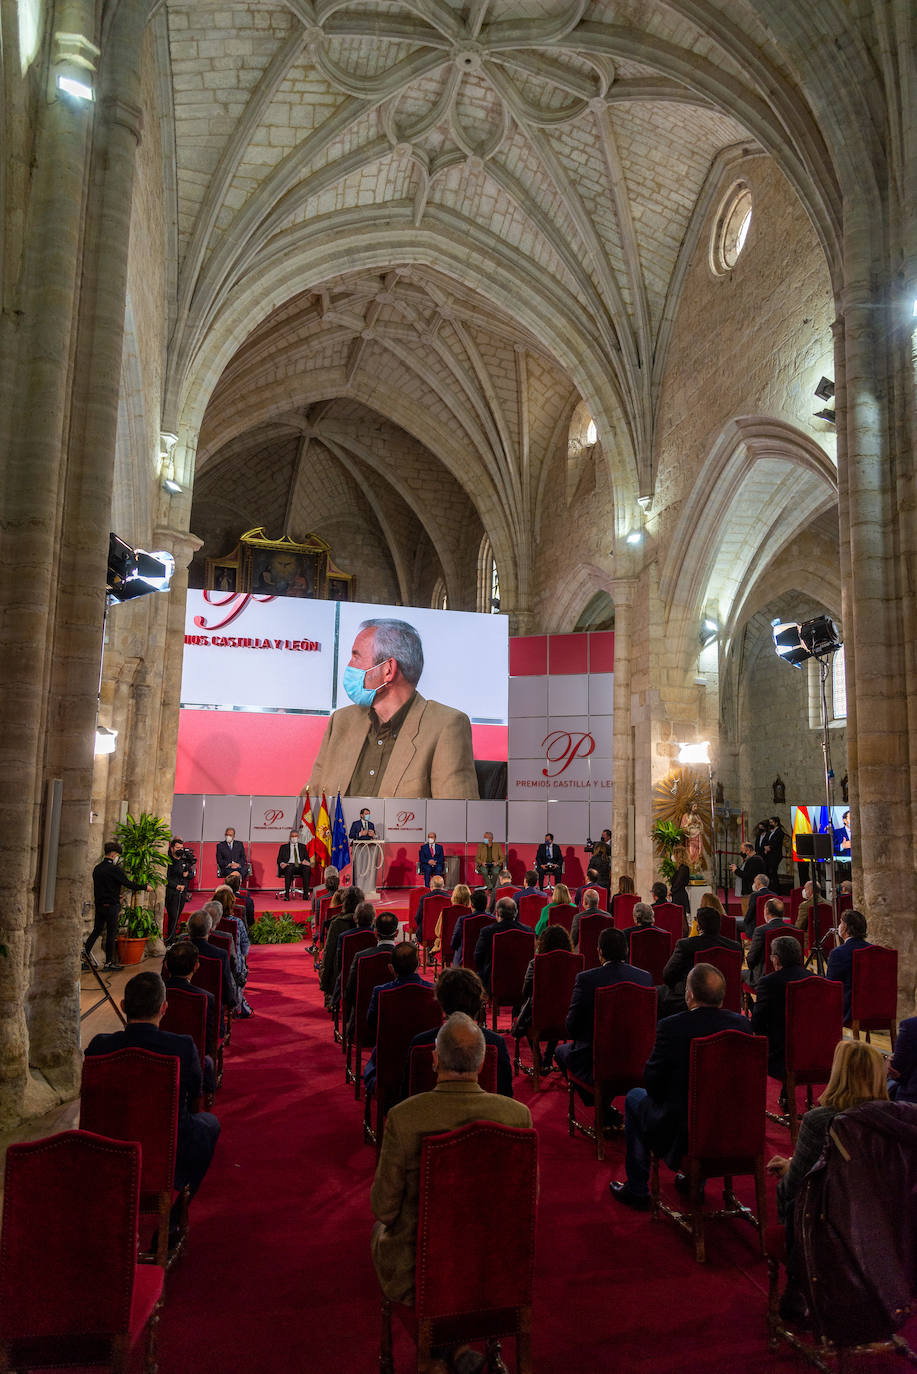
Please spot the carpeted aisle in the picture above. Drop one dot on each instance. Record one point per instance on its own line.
(277, 1277)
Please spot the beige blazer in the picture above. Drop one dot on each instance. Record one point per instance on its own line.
(481, 856)
(432, 756)
(395, 1196)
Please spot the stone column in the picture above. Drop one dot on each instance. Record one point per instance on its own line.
(168, 644)
(623, 589)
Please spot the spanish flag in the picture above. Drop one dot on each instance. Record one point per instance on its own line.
(802, 825)
(323, 835)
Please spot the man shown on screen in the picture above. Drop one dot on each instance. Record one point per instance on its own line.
(842, 838)
(392, 742)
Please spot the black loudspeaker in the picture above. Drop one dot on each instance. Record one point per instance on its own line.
(814, 846)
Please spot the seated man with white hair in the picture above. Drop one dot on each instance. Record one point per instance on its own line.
(644, 917)
(200, 924)
(456, 1100)
(590, 907)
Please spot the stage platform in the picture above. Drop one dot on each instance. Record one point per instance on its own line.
(267, 902)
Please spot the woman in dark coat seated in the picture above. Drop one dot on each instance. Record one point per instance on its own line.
(552, 937)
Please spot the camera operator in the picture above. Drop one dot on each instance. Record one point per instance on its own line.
(600, 850)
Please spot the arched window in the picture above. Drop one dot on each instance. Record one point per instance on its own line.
(731, 229)
(488, 579)
(440, 598)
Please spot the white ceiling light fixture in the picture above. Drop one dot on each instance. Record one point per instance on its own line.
(695, 753)
(106, 740)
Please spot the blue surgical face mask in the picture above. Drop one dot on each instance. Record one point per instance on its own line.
(354, 685)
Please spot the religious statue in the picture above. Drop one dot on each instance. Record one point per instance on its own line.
(844, 788)
(720, 795)
(693, 825)
(779, 789)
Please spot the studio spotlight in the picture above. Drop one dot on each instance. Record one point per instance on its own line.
(820, 636)
(788, 644)
(709, 631)
(826, 414)
(825, 389)
(133, 572)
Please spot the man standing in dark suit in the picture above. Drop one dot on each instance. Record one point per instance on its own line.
(773, 911)
(681, 961)
(292, 863)
(431, 860)
(656, 1116)
(769, 1015)
(548, 859)
(759, 888)
(108, 878)
(852, 929)
(507, 918)
(231, 855)
(143, 1005)
(751, 865)
(576, 1058)
(179, 874)
(362, 829)
(772, 849)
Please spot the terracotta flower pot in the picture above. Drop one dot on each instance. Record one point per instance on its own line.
(130, 950)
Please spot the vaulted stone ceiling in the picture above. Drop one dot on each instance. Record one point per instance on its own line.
(464, 216)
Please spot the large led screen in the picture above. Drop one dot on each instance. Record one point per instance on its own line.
(249, 658)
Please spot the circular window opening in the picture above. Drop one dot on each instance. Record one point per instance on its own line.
(732, 226)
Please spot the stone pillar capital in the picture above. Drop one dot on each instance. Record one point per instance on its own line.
(181, 544)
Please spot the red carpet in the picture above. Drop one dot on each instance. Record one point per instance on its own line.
(277, 1276)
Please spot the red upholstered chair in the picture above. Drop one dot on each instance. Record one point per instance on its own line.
(590, 928)
(71, 1290)
(432, 909)
(530, 908)
(505, 891)
(727, 1091)
(209, 975)
(671, 917)
(603, 896)
(843, 902)
(225, 927)
(795, 900)
(622, 909)
(403, 1013)
(874, 991)
(555, 974)
(455, 1301)
(728, 927)
(814, 1024)
(371, 971)
(186, 1014)
(415, 897)
(650, 949)
(624, 1032)
(133, 1095)
(422, 1075)
(223, 940)
(562, 915)
(450, 915)
(825, 921)
(512, 952)
(729, 963)
(352, 941)
(471, 930)
(760, 904)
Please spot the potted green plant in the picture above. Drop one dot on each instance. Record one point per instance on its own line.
(667, 836)
(144, 841)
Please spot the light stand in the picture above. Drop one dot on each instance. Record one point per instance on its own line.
(797, 643)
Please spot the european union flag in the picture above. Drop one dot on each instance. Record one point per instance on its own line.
(340, 848)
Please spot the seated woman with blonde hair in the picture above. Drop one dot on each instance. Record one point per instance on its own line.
(711, 901)
(559, 897)
(857, 1076)
(461, 897)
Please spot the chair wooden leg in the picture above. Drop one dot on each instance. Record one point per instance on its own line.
(162, 1246)
(357, 1071)
(598, 1118)
(517, 1060)
(524, 1344)
(893, 1032)
(494, 1357)
(696, 1200)
(120, 1354)
(792, 1108)
(761, 1200)
(855, 1027)
(535, 1044)
(571, 1115)
(424, 1347)
(150, 1363)
(386, 1360)
(773, 1302)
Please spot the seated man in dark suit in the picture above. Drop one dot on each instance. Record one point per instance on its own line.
(177, 971)
(364, 918)
(548, 859)
(531, 888)
(386, 929)
(773, 910)
(458, 989)
(852, 929)
(507, 918)
(480, 897)
(656, 1116)
(576, 1058)
(592, 880)
(231, 855)
(681, 961)
(437, 884)
(405, 958)
(644, 919)
(200, 924)
(431, 860)
(769, 1015)
(759, 888)
(293, 862)
(659, 893)
(143, 1004)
